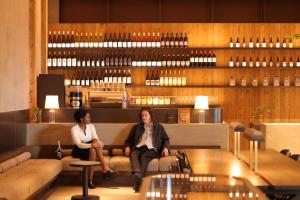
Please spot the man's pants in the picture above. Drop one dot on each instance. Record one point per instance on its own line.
(140, 158)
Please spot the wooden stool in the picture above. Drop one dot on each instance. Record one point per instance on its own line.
(254, 136)
(238, 128)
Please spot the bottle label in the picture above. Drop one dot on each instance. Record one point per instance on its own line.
(76, 45)
(153, 44)
(49, 62)
(139, 44)
(134, 44)
(63, 45)
(148, 44)
(59, 62)
(68, 45)
(148, 63)
(110, 44)
(114, 45)
(153, 63)
(129, 80)
(120, 44)
(124, 44)
(158, 63)
(105, 44)
(157, 44)
(72, 45)
(50, 45)
(69, 62)
(91, 44)
(54, 45)
(129, 44)
(86, 45)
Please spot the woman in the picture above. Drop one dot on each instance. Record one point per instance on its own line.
(87, 144)
(146, 141)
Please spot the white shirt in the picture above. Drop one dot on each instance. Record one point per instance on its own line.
(80, 139)
(147, 137)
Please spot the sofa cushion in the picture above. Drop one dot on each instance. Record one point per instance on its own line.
(8, 164)
(68, 152)
(29, 176)
(166, 162)
(68, 159)
(117, 152)
(23, 157)
(122, 164)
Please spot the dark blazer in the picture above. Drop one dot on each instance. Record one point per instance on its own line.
(160, 137)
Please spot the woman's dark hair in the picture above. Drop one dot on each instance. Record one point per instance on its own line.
(148, 110)
(80, 113)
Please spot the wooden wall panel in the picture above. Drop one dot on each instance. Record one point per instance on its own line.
(238, 103)
(281, 11)
(189, 11)
(134, 11)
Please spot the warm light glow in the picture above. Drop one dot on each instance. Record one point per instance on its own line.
(201, 102)
(235, 170)
(51, 102)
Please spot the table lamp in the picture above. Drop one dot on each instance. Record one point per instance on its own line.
(201, 104)
(51, 103)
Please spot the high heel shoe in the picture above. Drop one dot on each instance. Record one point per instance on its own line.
(109, 173)
(91, 185)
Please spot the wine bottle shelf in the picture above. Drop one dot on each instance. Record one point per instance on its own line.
(212, 86)
(171, 67)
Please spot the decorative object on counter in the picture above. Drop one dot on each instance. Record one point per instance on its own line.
(37, 115)
(76, 97)
(184, 115)
(286, 81)
(201, 104)
(255, 82)
(265, 81)
(259, 112)
(51, 103)
(231, 81)
(243, 81)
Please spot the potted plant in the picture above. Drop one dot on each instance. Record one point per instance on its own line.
(257, 116)
(37, 115)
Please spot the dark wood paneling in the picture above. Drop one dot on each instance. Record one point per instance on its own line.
(134, 10)
(186, 11)
(83, 11)
(19, 116)
(236, 11)
(281, 11)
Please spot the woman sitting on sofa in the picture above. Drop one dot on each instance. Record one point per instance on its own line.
(87, 144)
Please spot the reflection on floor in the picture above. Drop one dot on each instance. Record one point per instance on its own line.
(109, 193)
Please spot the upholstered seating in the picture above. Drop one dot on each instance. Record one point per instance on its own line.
(21, 177)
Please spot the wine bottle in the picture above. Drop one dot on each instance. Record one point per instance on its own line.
(124, 41)
(174, 79)
(284, 43)
(172, 42)
(290, 43)
(231, 43)
(271, 43)
(169, 61)
(87, 79)
(264, 62)
(244, 63)
(162, 41)
(277, 43)
(214, 59)
(68, 40)
(129, 41)
(58, 41)
(170, 78)
(157, 40)
(116, 60)
(50, 45)
(173, 60)
(54, 45)
(134, 40)
(187, 60)
(114, 76)
(257, 64)
(185, 40)
(115, 41)
(124, 77)
(86, 40)
(251, 43)
(153, 40)
(182, 60)
(59, 61)
(63, 40)
(77, 41)
(96, 41)
(148, 40)
(144, 40)
(244, 43)
(277, 62)
(237, 44)
(167, 43)
(129, 79)
(161, 78)
(201, 59)
(91, 41)
(291, 63)
(192, 59)
(237, 62)
(271, 62)
(78, 81)
(257, 43)
(110, 41)
(298, 62)
(148, 80)
(176, 44)
(183, 79)
(230, 62)
(120, 41)
(179, 79)
(152, 79)
(49, 59)
(82, 79)
(69, 60)
(264, 44)
(250, 62)
(166, 79)
(105, 41)
(64, 59)
(139, 40)
(72, 40)
(284, 62)
(205, 59)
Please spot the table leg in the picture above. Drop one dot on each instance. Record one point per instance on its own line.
(85, 182)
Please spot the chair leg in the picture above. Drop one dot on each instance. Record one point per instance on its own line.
(255, 156)
(251, 155)
(238, 145)
(235, 143)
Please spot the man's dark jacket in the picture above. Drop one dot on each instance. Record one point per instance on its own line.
(160, 138)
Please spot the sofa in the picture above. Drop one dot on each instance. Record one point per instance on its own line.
(119, 162)
(21, 177)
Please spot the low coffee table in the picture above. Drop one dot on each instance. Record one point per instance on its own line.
(85, 165)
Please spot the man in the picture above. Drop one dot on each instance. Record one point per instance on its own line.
(146, 141)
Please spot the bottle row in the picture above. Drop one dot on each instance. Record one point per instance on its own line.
(69, 39)
(64, 59)
(261, 44)
(264, 62)
(165, 78)
(96, 78)
(265, 82)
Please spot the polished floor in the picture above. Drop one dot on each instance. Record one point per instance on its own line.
(111, 193)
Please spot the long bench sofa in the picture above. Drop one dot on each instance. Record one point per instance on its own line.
(21, 177)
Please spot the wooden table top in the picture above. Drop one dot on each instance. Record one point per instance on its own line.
(221, 162)
(280, 170)
(84, 163)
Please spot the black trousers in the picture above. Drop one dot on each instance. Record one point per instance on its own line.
(140, 158)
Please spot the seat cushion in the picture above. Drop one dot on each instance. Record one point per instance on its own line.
(237, 126)
(68, 159)
(122, 164)
(254, 135)
(166, 162)
(23, 157)
(8, 164)
(29, 176)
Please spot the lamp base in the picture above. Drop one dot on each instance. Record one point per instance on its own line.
(201, 116)
(51, 116)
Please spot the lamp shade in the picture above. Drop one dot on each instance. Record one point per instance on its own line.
(201, 102)
(51, 102)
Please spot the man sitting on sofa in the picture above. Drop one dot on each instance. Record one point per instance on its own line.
(147, 140)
